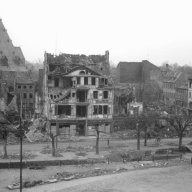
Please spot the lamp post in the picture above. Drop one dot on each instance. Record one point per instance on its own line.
(21, 142)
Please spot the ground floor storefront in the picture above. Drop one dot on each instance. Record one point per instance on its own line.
(68, 128)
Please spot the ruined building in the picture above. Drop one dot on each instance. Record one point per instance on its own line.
(138, 74)
(25, 92)
(15, 79)
(78, 93)
(11, 57)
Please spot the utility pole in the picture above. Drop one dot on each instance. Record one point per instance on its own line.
(21, 140)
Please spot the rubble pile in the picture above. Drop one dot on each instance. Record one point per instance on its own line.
(37, 131)
(66, 176)
(92, 172)
(122, 156)
(26, 183)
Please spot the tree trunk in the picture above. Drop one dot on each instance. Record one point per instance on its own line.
(138, 137)
(180, 140)
(53, 144)
(145, 141)
(5, 156)
(97, 142)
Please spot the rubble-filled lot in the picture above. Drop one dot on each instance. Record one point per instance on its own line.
(46, 175)
(119, 156)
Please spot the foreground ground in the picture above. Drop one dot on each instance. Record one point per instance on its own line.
(8, 176)
(170, 179)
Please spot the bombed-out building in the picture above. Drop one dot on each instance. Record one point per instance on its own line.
(78, 93)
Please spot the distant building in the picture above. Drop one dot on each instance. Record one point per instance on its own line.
(25, 92)
(11, 57)
(138, 74)
(135, 72)
(77, 93)
(172, 81)
(12, 66)
(181, 96)
(123, 95)
(190, 93)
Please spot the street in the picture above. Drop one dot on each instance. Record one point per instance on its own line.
(171, 179)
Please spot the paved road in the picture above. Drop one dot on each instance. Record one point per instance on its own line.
(172, 179)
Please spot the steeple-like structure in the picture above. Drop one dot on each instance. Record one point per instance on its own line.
(11, 57)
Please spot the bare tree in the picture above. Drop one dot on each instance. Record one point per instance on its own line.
(5, 128)
(180, 120)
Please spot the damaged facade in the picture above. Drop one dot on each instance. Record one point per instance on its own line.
(78, 93)
(25, 92)
(11, 57)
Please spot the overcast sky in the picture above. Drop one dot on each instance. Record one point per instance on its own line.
(132, 30)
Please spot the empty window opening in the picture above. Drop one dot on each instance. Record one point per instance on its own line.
(73, 94)
(81, 111)
(19, 86)
(106, 81)
(86, 80)
(100, 109)
(11, 88)
(105, 94)
(78, 81)
(24, 95)
(93, 81)
(67, 82)
(30, 95)
(81, 130)
(95, 109)
(81, 95)
(24, 87)
(190, 84)
(105, 109)
(56, 82)
(64, 110)
(31, 87)
(95, 94)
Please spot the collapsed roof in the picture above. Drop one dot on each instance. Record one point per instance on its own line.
(66, 62)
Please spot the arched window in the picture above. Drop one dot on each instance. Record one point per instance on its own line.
(82, 73)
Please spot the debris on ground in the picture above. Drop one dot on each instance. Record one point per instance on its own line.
(91, 172)
(126, 156)
(26, 184)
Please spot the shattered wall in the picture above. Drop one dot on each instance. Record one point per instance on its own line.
(11, 57)
(70, 86)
